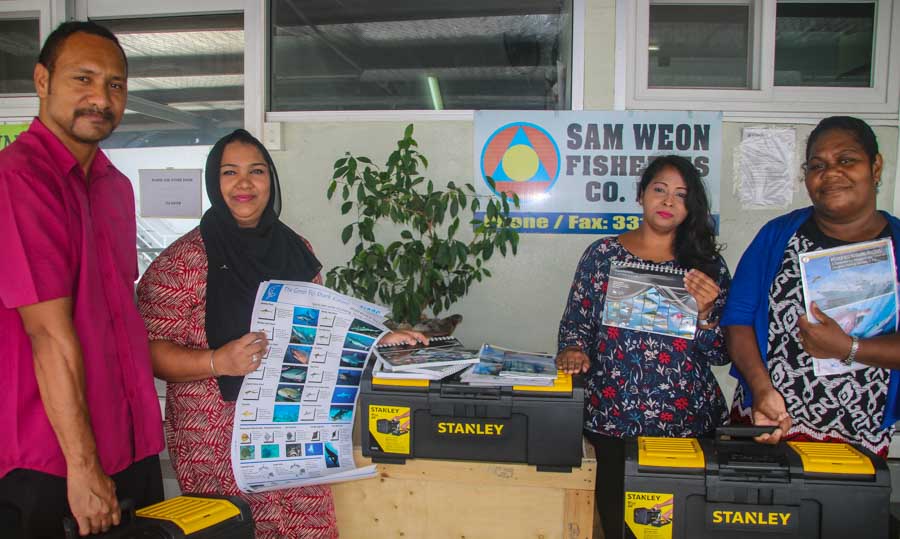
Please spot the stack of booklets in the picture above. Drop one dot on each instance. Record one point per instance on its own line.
(441, 357)
(503, 367)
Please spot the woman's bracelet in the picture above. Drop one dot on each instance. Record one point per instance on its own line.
(212, 365)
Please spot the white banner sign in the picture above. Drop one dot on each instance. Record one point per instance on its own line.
(576, 172)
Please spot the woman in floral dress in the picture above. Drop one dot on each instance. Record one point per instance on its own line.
(642, 383)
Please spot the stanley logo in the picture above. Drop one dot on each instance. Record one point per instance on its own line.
(752, 518)
(471, 429)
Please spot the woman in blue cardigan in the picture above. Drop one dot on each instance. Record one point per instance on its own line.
(771, 340)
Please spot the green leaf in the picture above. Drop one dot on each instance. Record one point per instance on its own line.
(454, 226)
(340, 162)
(331, 189)
(338, 172)
(346, 192)
(423, 160)
(408, 132)
(346, 233)
(346, 207)
(406, 234)
(364, 160)
(454, 208)
(486, 272)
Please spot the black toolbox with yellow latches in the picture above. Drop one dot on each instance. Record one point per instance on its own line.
(448, 419)
(190, 516)
(707, 489)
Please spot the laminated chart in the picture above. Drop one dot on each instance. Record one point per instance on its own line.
(293, 420)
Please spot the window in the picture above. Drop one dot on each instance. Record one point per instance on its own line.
(185, 79)
(708, 47)
(761, 58)
(435, 55)
(820, 44)
(20, 43)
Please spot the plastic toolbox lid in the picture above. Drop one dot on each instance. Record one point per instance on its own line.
(832, 458)
(191, 514)
(670, 453)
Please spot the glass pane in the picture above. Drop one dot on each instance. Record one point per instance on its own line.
(824, 44)
(185, 80)
(20, 43)
(699, 46)
(400, 54)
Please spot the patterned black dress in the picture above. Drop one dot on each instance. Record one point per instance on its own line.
(846, 407)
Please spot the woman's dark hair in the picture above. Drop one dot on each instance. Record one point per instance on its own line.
(856, 127)
(53, 45)
(695, 238)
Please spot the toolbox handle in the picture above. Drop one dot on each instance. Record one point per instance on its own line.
(743, 431)
(126, 506)
(470, 392)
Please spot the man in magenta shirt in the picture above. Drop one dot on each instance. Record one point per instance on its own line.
(81, 422)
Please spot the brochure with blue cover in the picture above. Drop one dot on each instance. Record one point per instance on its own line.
(856, 286)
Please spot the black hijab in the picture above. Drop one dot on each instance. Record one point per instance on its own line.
(241, 258)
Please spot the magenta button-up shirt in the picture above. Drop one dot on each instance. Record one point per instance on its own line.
(62, 237)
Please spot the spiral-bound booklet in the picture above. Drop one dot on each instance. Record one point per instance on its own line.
(439, 352)
(651, 298)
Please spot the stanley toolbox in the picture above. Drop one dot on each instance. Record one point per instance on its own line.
(687, 488)
(190, 516)
(449, 419)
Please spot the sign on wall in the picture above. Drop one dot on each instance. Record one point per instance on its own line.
(170, 192)
(577, 172)
(9, 133)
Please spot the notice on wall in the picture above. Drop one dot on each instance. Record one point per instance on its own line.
(577, 172)
(764, 169)
(170, 192)
(9, 133)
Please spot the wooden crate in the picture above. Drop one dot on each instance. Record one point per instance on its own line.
(467, 500)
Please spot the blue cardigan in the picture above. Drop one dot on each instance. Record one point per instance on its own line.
(748, 297)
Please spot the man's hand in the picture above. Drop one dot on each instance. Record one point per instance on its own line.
(92, 499)
(572, 360)
(769, 410)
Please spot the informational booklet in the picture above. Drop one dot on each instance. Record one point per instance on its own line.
(504, 367)
(856, 285)
(382, 370)
(651, 298)
(439, 352)
(293, 421)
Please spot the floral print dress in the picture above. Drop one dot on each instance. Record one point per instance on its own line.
(642, 383)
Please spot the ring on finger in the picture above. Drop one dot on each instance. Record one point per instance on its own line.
(254, 358)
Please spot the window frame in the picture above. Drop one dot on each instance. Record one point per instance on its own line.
(23, 107)
(764, 100)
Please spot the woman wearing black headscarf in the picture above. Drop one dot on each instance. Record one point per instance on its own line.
(196, 299)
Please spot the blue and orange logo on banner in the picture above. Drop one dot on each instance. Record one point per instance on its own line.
(521, 158)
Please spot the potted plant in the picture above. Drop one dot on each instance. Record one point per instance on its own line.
(420, 260)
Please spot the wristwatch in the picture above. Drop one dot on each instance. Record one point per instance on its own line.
(854, 348)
